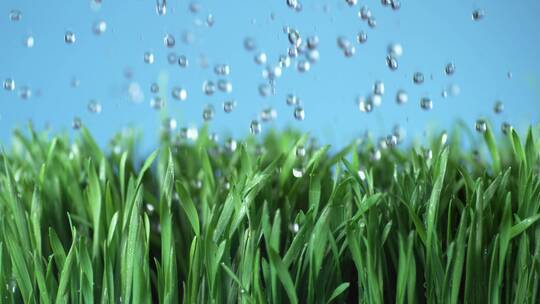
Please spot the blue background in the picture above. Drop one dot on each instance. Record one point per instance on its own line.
(432, 34)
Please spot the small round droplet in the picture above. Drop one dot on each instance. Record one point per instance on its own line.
(343, 43)
(299, 113)
(229, 105)
(480, 126)
(231, 145)
(396, 5)
(149, 57)
(9, 84)
(29, 41)
(255, 127)
(169, 40)
(260, 58)
(312, 42)
(300, 151)
(364, 13)
(395, 50)
(391, 140)
(268, 114)
(284, 61)
(498, 108)
(418, 78)
(250, 44)
(303, 66)
(294, 4)
(313, 55)
(169, 124)
(172, 58)
(391, 62)
(298, 172)
(450, 69)
(361, 37)
(15, 15)
(351, 2)
(154, 88)
(69, 37)
(100, 27)
(208, 87)
(208, 113)
(426, 103)
(292, 52)
(292, 100)
(378, 88)
(349, 51)
(157, 103)
(179, 93)
(25, 93)
(222, 69)
(265, 89)
(506, 128)
(372, 22)
(183, 61)
(224, 85)
(401, 97)
(161, 8)
(76, 124)
(478, 15)
(365, 105)
(94, 107)
(294, 38)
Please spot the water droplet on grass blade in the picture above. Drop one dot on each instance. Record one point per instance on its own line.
(298, 172)
(255, 127)
(480, 126)
(300, 151)
(506, 128)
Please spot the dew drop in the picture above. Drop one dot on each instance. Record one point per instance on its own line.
(69, 37)
(480, 126)
(94, 107)
(372, 22)
(149, 57)
(364, 13)
(29, 41)
(303, 66)
(228, 106)
(299, 113)
(426, 103)
(361, 37)
(208, 113)
(450, 69)
(478, 15)
(351, 2)
(169, 40)
(294, 228)
(157, 103)
(391, 62)
(298, 172)
(506, 128)
(169, 124)
(15, 15)
(396, 4)
(183, 61)
(498, 108)
(224, 86)
(378, 88)
(365, 105)
(231, 145)
(313, 42)
(100, 27)
(418, 78)
(208, 87)
(255, 127)
(349, 51)
(268, 114)
(294, 38)
(260, 58)
(76, 124)
(300, 151)
(179, 93)
(222, 69)
(9, 84)
(292, 100)
(401, 97)
(154, 88)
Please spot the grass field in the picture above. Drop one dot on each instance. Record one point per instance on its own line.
(196, 223)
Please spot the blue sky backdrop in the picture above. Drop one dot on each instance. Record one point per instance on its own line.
(432, 33)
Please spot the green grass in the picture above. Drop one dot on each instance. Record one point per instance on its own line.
(197, 224)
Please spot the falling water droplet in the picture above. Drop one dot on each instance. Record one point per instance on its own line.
(154, 88)
(161, 8)
(208, 87)
(361, 37)
(364, 13)
(157, 103)
(183, 61)
(365, 105)
(391, 62)
(76, 124)
(25, 93)
(395, 50)
(378, 88)
(169, 40)
(303, 66)
(260, 58)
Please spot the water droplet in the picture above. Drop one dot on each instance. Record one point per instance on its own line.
(210, 20)
(224, 85)
(172, 58)
(506, 128)
(268, 114)
(161, 8)
(183, 61)
(25, 93)
(255, 127)
(294, 38)
(391, 140)
(509, 75)
(365, 105)
(15, 15)
(401, 97)
(222, 69)
(399, 132)
(364, 13)
(478, 15)
(396, 4)
(298, 172)
(294, 4)
(391, 62)
(426, 103)
(154, 88)
(292, 100)
(299, 113)
(385, 2)
(250, 44)
(29, 42)
(362, 174)
(343, 43)
(313, 42)
(292, 52)
(294, 228)
(149, 57)
(75, 83)
(208, 87)
(375, 154)
(349, 51)
(9, 84)
(69, 37)
(231, 145)
(450, 69)
(303, 66)
(94, 107)
(480, 126)
(76, 124)
(284, 61)
(313, 56)
(361, 37)
(169, 124)
(372, 22)
(378, 88)
(418, 78)
(260, 58)
(498, 107)
(395, 50)
(208, 113)
(169, 40)
(157, 103)
(351, 2)
(265, 89)
(444, 138)
(300, 151)
(179, 93)
(428, 154)
(228, 106)
(100, 27)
